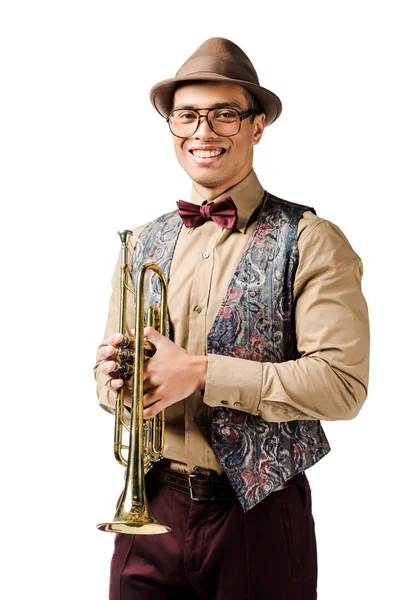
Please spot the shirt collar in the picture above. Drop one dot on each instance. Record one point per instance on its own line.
(247, 195)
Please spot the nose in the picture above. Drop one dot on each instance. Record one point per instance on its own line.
(203, 130)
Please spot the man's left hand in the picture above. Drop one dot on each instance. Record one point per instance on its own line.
(171, 375)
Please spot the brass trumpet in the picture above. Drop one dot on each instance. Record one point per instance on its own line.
(146, 436)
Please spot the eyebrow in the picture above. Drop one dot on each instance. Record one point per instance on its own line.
(216, 105)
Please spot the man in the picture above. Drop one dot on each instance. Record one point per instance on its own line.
(268, 335)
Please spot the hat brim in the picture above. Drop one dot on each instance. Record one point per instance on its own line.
(161, 94)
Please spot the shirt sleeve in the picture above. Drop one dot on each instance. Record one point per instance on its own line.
(330, 379)
(106, 396)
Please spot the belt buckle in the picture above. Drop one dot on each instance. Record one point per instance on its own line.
(211, 494)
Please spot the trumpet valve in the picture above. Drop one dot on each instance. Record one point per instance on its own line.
(127, 342)
(124, 369)
(126, 354)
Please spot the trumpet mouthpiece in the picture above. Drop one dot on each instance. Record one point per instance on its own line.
(124, 235)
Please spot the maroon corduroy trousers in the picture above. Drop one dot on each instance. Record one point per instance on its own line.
(215, 551)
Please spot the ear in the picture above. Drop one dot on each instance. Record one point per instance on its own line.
(258, 128)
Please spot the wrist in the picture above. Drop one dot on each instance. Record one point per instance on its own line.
(201, 365)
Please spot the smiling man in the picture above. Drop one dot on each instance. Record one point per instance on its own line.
(268, 335)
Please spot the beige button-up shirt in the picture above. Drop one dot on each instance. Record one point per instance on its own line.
(329, 380)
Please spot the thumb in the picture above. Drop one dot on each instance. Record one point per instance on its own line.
(153, 336)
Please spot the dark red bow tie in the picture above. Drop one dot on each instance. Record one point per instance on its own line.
(223, 212)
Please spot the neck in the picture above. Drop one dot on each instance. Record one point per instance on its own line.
(212, 192)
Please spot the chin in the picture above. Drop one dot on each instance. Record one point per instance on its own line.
(206, 179)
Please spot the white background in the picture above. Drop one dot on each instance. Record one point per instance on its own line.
(84, 154)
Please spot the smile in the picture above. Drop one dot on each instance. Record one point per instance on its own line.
(207, 157)
(207, 153)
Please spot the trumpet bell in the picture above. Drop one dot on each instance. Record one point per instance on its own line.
(139, 520)
(133, 516)
(148, 528)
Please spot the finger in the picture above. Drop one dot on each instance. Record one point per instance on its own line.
(153, 395)
(108, 367)
(147, 387)
(106, 352)
(151, 379)
(153, 335)
(115, 384)
(153, 410)
(115, 339)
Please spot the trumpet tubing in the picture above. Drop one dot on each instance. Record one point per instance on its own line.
(146, 436)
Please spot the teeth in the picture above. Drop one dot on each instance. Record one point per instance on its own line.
(206, 153)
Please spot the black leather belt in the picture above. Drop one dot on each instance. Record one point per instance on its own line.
(200, 488)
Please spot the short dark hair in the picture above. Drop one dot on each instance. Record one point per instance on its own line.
(253, 103)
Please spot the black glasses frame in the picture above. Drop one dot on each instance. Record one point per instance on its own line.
(241, 116)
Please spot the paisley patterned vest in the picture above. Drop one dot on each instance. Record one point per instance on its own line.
(254, 322)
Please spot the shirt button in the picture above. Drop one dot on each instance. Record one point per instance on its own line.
(196, 468)
(206, 254)
(198, 309)
(224, 402)
(236, 404)
(194, 420)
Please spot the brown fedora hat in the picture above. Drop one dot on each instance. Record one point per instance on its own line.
(218, 60)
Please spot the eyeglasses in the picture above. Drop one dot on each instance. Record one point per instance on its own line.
(223, 121)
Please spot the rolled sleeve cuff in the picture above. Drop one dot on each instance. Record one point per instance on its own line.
(233, 383)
